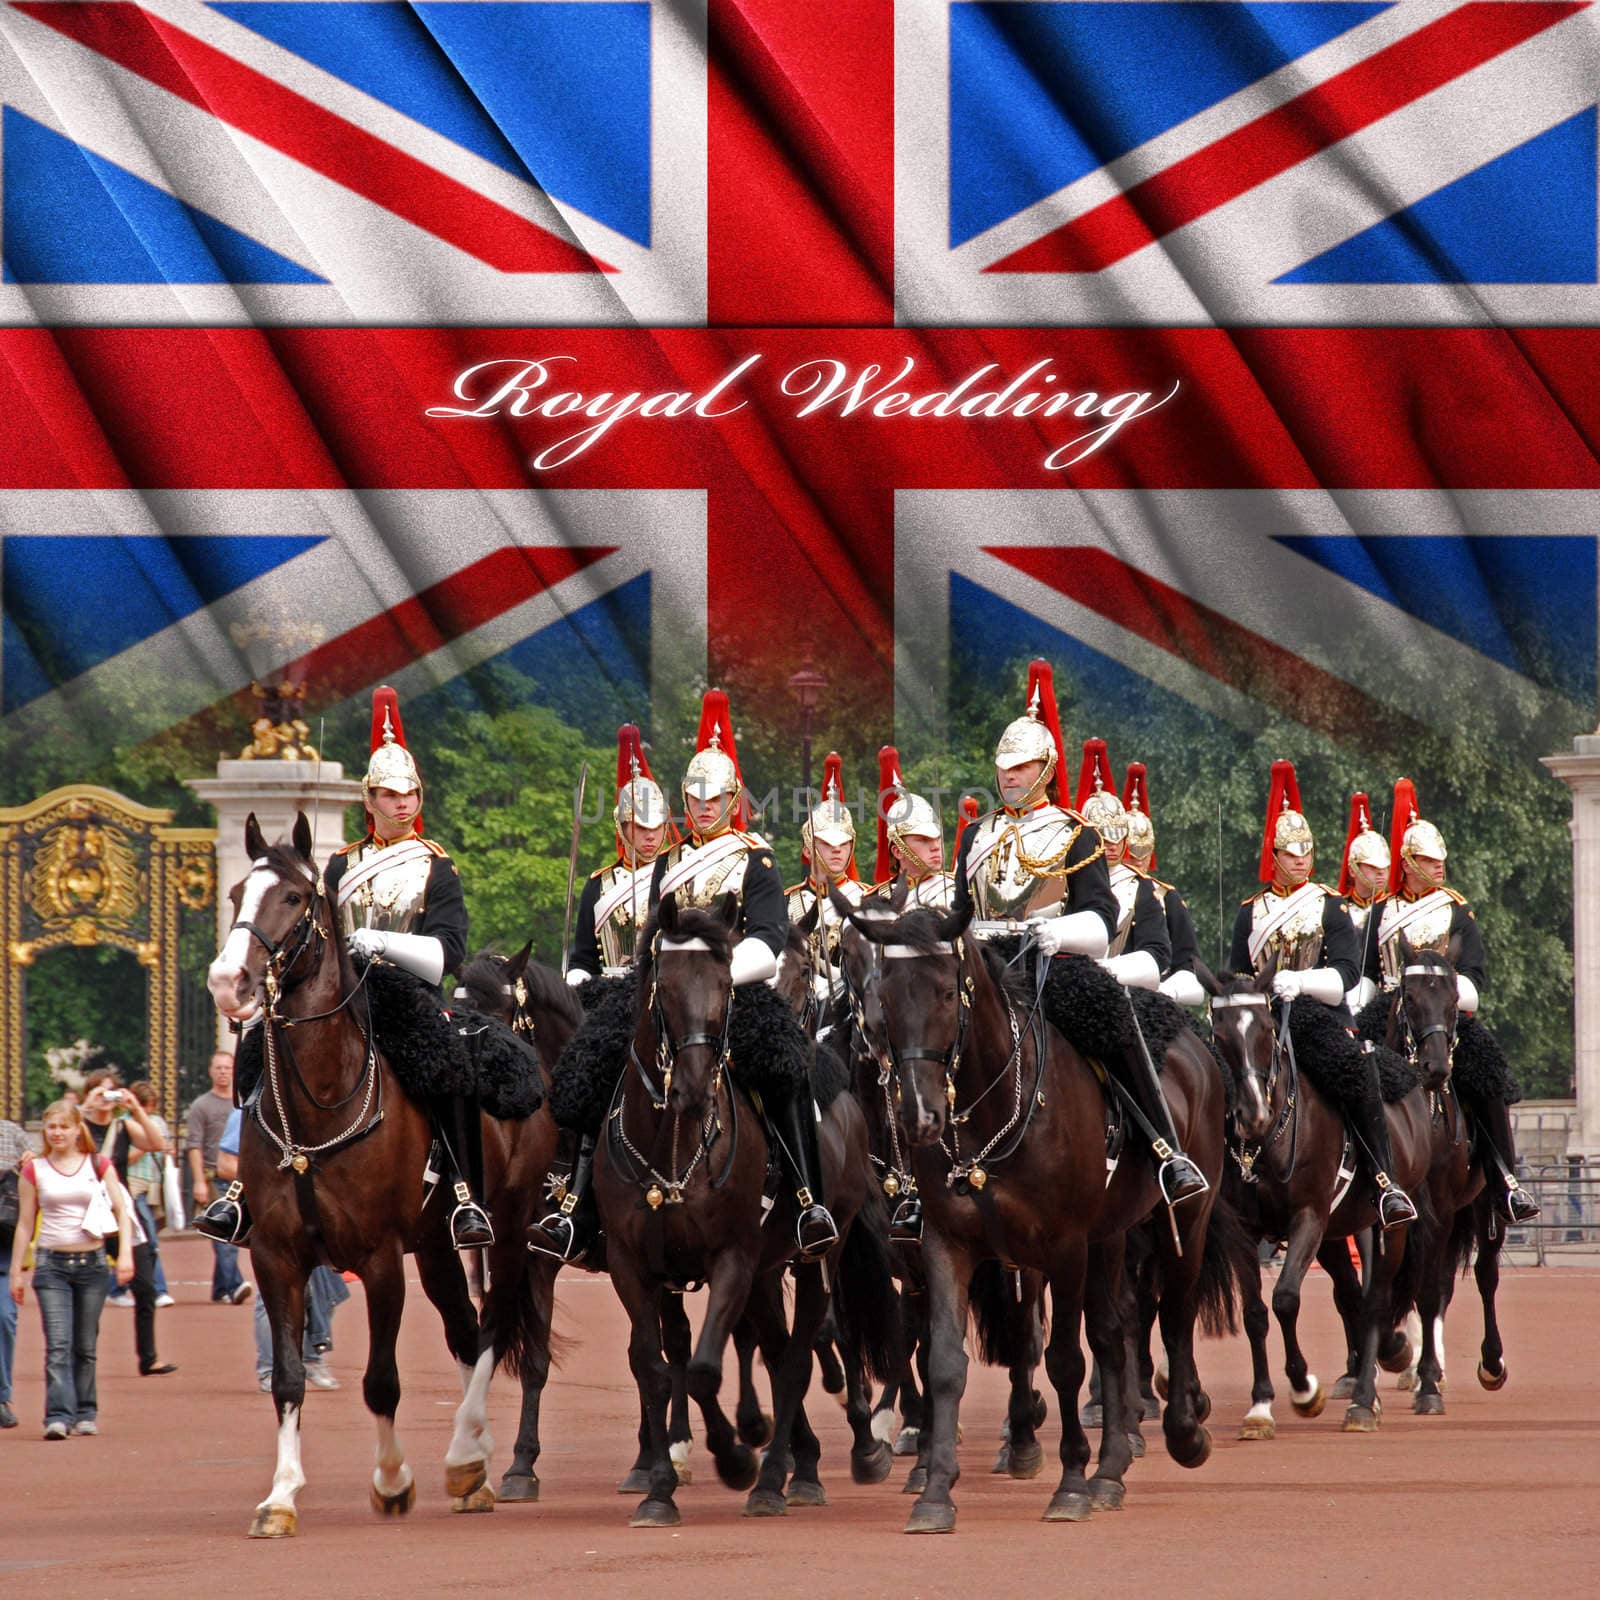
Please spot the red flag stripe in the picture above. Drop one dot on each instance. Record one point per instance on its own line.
(1310, 123)
(301, 129)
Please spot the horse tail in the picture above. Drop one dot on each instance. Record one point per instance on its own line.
(866, 1306)
(1229, 1250)
(531, 1345)
(1004, 1323)
(1429, 1235)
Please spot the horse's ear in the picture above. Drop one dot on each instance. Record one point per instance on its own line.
(1208, 979)
(1452, 952)
(953, 925)
(808, 923)
(667, 913)
(255, 846)
(518, 964)
(1268, 973)
(899, 895)
(728, 910)
(301, 836)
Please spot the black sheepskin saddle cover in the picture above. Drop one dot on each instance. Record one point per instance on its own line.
(1339, 1063)
(769, 1050)
(432, 1053)
(1091, 1010)
(1481, 1071)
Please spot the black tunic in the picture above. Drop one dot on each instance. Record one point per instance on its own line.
(444, 907)
(1088, 887)
(1341, 946)
(1180, 929)
(585, 941)
(1149, 931)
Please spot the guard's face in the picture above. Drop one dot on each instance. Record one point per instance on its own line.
(832, 858)
(643, 843)
(1015, 782)
(394, 813)
(1292, 869)
(1424, 872)
(1367, 877)
(705, 810)
(920, 854)
(1140, 857)
(1115, 849)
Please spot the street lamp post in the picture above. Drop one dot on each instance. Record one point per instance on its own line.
(807, 686)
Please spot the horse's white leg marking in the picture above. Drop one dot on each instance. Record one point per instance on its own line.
(1261, 1411)
(1304, 1396)
(289, 1479)
(471, 1441)
(392, 1476)
(1438, 1344)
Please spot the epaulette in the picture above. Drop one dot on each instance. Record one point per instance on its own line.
(1331, 888)
(345, 849)
(752, 841)
(795, 890)
(1165, 888)
(1460, 899)
(438, 849)
(1250, 899)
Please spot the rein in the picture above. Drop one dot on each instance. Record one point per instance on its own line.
(1288, 1119)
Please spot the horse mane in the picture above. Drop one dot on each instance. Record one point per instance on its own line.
(692, 923)
(547, 990)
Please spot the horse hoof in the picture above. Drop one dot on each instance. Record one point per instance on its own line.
(1106, 1494)
(931, 1519)
(636, 1482)
(765, 1503)
(1407, 1379)
(1427, 1405)
(738, 1468)
(481, 1499)
(1093, 1415)
(1395, 1353)
(1136, 1445)
(1069, 1508)
(756, 1432)
(1258, 1428)
(464, 1478)
(1195, 1454)
(393, 1505)
(874, 1466)
(916, 1481)
(1002, 1461)
(1313, 1403)
(1344, 1388)
(519, 1488)
(906, 1442)
(1360, 1419)
(656, 1514)
(806, 1492)
(1026, 1459)
(1490, 1380)
(1202, 1406)
(274, 1522)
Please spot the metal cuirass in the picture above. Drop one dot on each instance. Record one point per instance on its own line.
(618, 934)
(1007, 887)
(724, 875)
(393, 897)
(1125, 886)
(935, 891)
(802, 899)
(1298, 942)
(1427, 925)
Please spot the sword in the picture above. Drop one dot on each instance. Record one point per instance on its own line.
(572, 866)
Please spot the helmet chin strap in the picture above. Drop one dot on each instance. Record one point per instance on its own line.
(1035, 790)
(723, 821)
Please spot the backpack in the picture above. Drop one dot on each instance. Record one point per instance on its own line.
(10, 1205)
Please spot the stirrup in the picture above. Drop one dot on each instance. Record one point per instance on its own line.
(1518, 1205)
(1177, 1177)
(815, 1231)
(1394, 1204)
(470, 1228)
(905, 1226)
(226, 1219)
(557, 1235)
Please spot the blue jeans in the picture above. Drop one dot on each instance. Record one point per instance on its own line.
(8, 1327)
(326, 1291)
(225, 1274)
(71, 1287)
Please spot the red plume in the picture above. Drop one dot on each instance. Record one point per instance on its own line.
(1360, 816)
(1136, 797)
(889, 782)
(967, 816)
(1406, 811)
(1096, 765)
(1042, 679)
(1285, 788)
(385, 700)
(716, 717)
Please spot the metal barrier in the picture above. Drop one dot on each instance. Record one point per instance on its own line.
(1569, 1197)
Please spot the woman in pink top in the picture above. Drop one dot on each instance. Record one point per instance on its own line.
(69, 1263)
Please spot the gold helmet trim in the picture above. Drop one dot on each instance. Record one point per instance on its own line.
(1422, 839)
(391, 766)
(641, 801)
(1291, 833)
(1104, 810)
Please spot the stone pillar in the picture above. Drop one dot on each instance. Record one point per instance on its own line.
(275, 791)
(1580, 771)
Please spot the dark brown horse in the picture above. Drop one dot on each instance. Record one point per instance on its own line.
(332, 1158)
(680, 1175)
(1007, 1131)
(1300, 1171)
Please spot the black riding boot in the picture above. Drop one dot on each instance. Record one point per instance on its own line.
(1178, 1178)
(1514, 1202)
(1394, 1204)
(227, 1218)
(795, 1123)
(905, 1226)
(568, 1233)
(470, 1228)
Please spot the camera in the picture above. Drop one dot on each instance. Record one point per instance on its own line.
(113, 1095)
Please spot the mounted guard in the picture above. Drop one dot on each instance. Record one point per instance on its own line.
(1302, 931)
(1364, 882)
(1422, 913)
(1178, 980)
(1032, 867)
(828, 853)
(910, 854)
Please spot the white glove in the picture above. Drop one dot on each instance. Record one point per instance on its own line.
(1079, 933)
(1362, 995)
(1320, 983)
(1185, 988)
(752, 962)
(418, 953)
(1466, 995)
(1135, 970)
(821, 988)
(577, 976)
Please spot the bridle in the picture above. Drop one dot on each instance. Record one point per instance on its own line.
(897, 1177)
(1288, 1121)
(1414, 1041)
(285, 952)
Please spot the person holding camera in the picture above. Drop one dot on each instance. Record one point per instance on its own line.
(79, 1202)
(121, 1128)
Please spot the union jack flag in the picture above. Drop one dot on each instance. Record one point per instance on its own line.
(248, 246)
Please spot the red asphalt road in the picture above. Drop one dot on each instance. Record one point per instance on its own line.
(1497, 1497)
